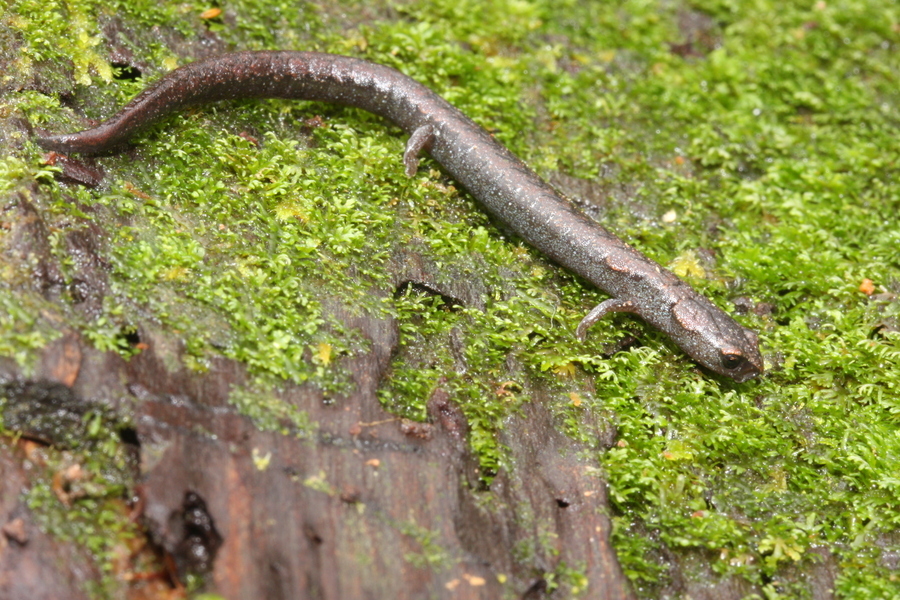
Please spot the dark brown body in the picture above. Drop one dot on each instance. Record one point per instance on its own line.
(493, 175)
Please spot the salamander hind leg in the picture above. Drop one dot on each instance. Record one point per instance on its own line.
(420, 139)
(601, 310)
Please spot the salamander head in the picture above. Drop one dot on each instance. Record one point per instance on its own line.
(715, 340)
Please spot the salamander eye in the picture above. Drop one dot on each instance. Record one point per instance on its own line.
(732, 361)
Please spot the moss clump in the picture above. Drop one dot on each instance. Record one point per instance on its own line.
(80, 495)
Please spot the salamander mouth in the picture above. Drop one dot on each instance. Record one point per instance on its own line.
(746, 375)
(746, 371)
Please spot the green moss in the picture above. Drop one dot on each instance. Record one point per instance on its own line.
(270, 413)
(22, 331)
(266, 25)
(571, 581)
(763, 133)
(791, 153)
(79, 495)
(40, 28)
(430, 554)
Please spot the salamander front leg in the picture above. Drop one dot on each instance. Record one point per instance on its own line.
(601, 310)
(420, 139)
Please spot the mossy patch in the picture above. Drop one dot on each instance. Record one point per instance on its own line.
(78, 494)
(755, 140)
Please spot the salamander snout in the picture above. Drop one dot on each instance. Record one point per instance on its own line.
(715, 340)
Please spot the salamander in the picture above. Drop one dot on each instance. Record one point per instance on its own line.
(493, 175)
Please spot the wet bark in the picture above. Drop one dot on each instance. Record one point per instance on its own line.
(369, 508)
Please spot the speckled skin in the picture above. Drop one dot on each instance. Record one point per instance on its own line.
(491, 173)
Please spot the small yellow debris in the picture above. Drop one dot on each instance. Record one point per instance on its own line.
(607, 56)
(867, 287)
(129, 187)
(373, 462)
(319, 483)
(474, 580)
(323, 353)
(211, 13)
(501, 578)
(452, 584)
(687, 264)
(259, 461)
(174, 274)
(670, 216)
(575, 398)
(507, 388)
